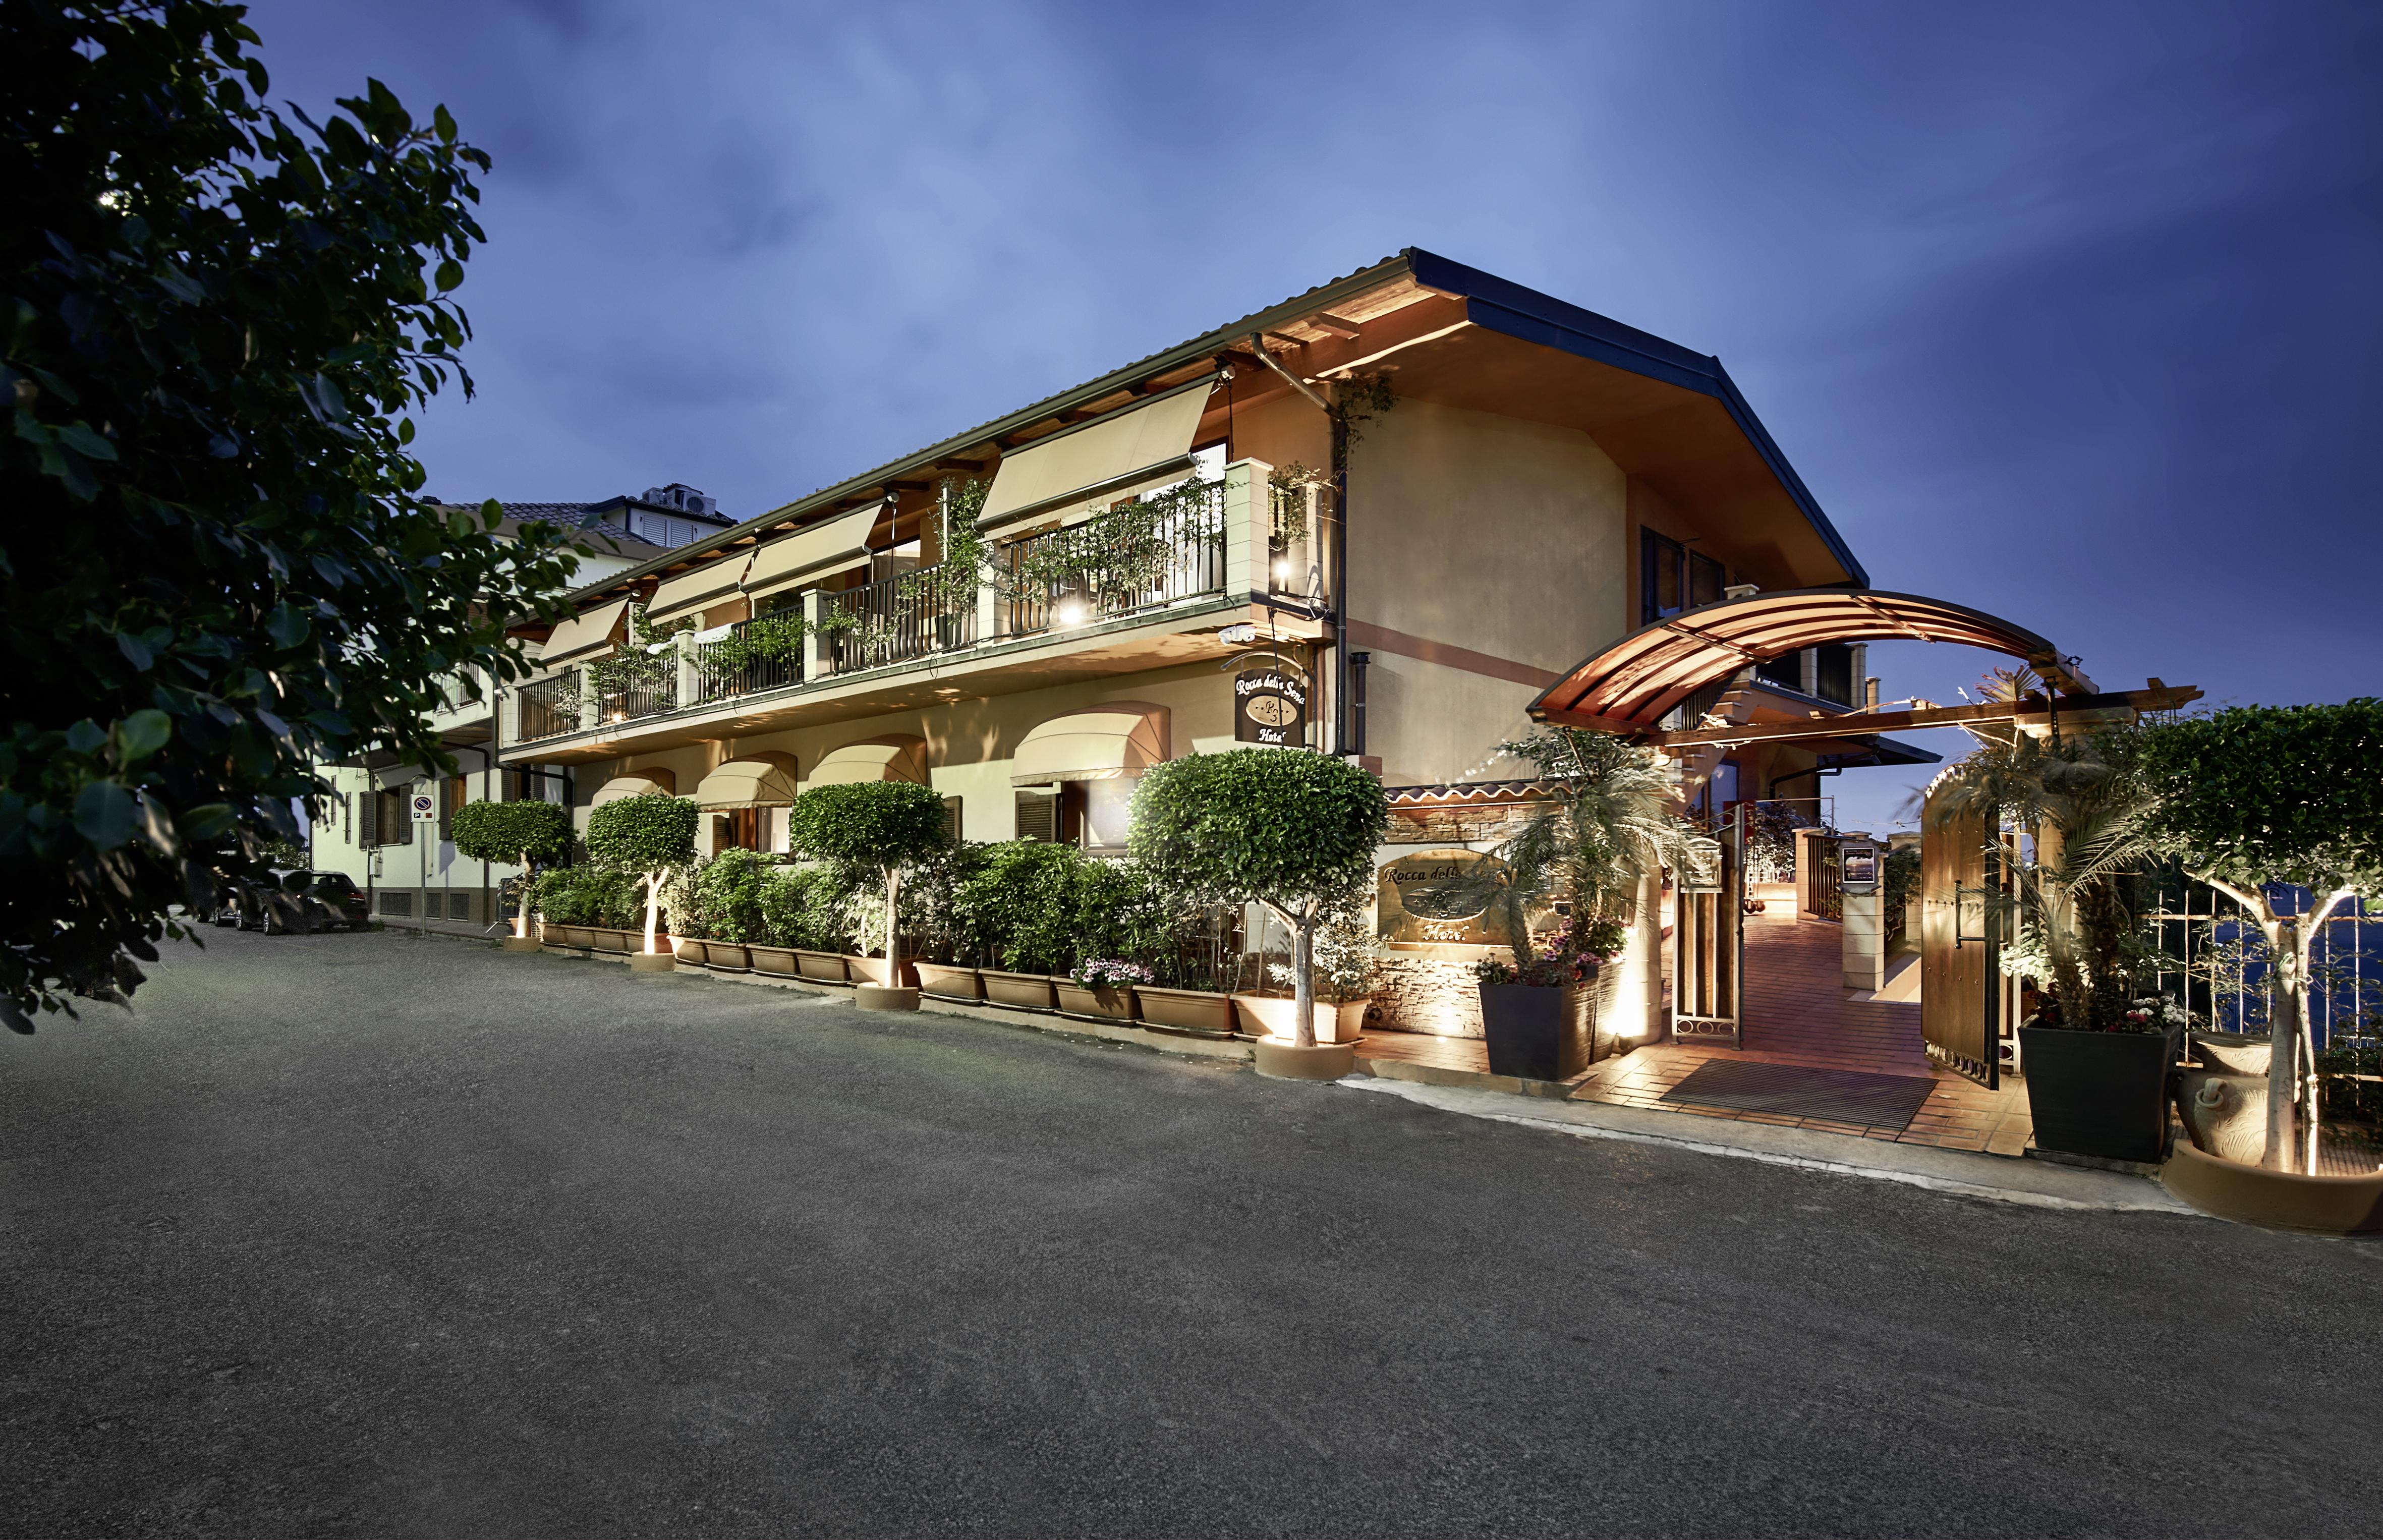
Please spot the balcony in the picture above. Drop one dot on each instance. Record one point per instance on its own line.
(1145, 584)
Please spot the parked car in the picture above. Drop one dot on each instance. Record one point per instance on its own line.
(301, 902)
(340, 901)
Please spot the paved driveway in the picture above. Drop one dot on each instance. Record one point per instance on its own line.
(373, 1235)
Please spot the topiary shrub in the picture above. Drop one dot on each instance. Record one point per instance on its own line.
(651, 836)
(723, 898)
(1017, 910)
(531, 833)
(1294, 831)
(879, 827)
(803, 907)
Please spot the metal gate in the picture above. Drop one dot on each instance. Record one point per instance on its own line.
(1960, 965)
(1708, 940)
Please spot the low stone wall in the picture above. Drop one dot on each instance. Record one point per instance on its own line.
(1430, 988)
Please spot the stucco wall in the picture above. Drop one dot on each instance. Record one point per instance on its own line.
(1486, 533)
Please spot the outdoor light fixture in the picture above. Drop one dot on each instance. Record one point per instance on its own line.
(1071, 612)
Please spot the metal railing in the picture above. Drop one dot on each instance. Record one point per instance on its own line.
(1114, 565)
(717, 678)
(896, 620)
(651, 694)
(549, 708)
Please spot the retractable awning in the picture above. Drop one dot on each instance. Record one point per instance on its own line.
(892, 758)
(763, 780)
(706, 584)
(1630, 685)
(1126, 452)
(1119, 738)
(837, 546)
(643, 782)
(585, 635)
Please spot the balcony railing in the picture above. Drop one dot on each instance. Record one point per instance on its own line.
(896, 620)
(649, 693)
(1114, 565)
(720, 675)
(549, 708)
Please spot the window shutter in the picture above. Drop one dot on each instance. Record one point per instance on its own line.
(368, 818)
(1038, 816)
(952, 818)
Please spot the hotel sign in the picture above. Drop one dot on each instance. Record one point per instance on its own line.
(1416, 899)
(1270, 703)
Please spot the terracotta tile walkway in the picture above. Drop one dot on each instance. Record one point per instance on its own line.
(1798, 1012)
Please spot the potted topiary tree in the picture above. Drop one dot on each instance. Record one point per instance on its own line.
(530, 832)
(881, 827)
(2254, 801)
(1293, 832)
(1609, 824)
(653, 836)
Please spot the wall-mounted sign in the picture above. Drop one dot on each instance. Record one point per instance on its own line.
(1270, 703)
(1438, 895)
(1857, 866)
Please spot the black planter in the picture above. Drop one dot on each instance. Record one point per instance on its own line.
(1535, 1031)
(2098, 1093)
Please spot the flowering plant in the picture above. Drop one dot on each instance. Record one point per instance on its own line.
(1111, 972)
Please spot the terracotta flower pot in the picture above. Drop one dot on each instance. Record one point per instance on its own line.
(1203, 1012)
(653, 962)
(1285, 1061)
(1274, 1016)
(945, 982)
(825, 966)
(871, 970)
(2254, 1195)
(777, 961)
(1102, 1003)
(691, 949)
(728, 956)
(877, 997)
(1025, 991)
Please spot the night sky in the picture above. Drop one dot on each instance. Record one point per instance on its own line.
(2068, 313)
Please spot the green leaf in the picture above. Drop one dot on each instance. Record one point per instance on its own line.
(102, 814)
(444, 123)
(287, 624)
(450, 275)
(141, 734)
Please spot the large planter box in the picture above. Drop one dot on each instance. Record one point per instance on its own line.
(1025, 991)
(779, 962)
(691, 949)
(2098, 1093)
(871, 970)
(946, 982)
(1537, 1031)
(1107, 1003)
(727, 956)
(1274, 1015)
(1202, 1012)
(603, 939)
(825, 966)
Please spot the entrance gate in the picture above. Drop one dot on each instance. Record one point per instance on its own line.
(1709, 940)
(1960, 961)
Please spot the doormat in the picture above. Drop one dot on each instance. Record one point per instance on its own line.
(1797, 1090)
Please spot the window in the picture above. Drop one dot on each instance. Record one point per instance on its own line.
(392, 819)
(1108, 813)
(1834, 672)
(1674, 578)
(1038, 815)
(1785, 670)
(452, 794)
(952, 818)
(741, 828)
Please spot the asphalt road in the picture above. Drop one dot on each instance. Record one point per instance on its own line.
(379, 1236)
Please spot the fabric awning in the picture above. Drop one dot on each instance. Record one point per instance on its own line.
(584, 635)
(837, 546)
(886, 758)
(1119, 738)
(706, 584)
(1110, 457)
(643, 782)
(764, 779)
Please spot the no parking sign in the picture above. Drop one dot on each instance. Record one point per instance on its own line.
(426, 807)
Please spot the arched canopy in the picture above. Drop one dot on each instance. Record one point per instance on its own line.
(763, 780)
(891, 757)
(645, 782)
(1114, 739)
(1633, 683)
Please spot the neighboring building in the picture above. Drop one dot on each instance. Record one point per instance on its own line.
(1537, 482)
(367, 829)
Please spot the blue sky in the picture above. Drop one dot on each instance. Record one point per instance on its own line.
(2064, 312)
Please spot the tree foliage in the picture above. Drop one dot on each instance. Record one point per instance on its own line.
(878, 825)
(650, 834)
(220, 568)
(534, 834)
(2272, 793)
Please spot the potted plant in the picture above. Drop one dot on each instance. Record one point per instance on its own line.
(1347, 958)
(883, 828)
(1291, 831)
(653, 836)
(1592, 846)
(1101, 987)
(1016, 909)
(530, 832)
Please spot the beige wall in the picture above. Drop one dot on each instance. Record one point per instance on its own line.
(1487, 534)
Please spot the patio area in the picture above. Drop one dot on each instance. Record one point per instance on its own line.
(1797, 1013)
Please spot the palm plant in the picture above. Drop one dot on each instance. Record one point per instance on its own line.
(1611, 824)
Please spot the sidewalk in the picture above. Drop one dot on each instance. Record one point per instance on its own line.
(2037, 1184)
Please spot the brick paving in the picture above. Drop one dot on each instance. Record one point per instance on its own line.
(1797, 1012)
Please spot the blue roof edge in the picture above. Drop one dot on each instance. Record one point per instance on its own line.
(1535, 317)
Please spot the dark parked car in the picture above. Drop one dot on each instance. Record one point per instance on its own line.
(342, 900)
(304, 901)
